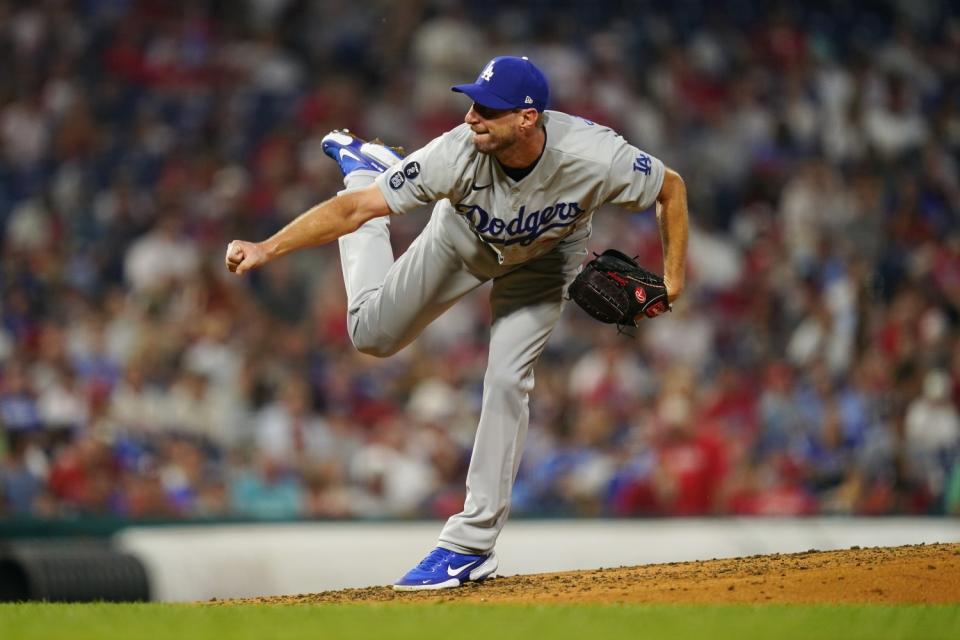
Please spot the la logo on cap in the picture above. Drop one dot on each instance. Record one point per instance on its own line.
(487, 73)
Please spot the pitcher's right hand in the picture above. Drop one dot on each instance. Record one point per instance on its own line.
(243, 256)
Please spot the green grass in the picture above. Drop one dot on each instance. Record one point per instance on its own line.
(465, 621)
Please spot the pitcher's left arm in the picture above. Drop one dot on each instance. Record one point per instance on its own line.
(672, 218)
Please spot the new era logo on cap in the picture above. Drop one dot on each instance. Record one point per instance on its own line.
(509, 82)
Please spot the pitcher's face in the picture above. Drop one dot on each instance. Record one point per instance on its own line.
(493, 129)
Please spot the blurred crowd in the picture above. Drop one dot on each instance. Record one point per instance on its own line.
(812, 367)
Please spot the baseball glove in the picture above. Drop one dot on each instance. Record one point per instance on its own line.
(614, 289)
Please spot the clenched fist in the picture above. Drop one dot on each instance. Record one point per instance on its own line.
(243, 256)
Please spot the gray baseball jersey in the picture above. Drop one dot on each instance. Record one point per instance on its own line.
(584, 166)
(528, 236)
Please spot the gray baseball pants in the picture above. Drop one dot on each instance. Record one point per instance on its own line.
(390, 302)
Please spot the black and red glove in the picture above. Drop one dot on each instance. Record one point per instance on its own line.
(614, 289)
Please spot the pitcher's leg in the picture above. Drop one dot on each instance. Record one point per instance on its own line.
(423, 283)
(526, 306)
(366, 254)
(390, 302)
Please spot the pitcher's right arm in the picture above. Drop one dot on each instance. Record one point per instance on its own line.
(318, 225)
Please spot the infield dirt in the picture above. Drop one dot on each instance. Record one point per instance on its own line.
(887, 575)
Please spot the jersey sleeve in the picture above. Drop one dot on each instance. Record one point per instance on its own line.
(427, 175)
(635, 177)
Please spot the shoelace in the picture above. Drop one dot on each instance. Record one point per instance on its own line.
(434, 559)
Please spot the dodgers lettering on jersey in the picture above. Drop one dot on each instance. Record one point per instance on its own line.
(525, 228)
(583, 167)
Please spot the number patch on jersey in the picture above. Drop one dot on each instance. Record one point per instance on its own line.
(397, 180)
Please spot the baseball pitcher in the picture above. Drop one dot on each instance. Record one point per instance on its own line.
(515, 187)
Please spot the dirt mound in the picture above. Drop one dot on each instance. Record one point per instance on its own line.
(912, 574)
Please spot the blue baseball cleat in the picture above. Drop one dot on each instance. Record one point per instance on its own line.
(445, 569)
(344, 147)
(353, 153)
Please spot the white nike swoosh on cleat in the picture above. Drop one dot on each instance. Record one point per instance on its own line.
(455, 572)
(344, 152)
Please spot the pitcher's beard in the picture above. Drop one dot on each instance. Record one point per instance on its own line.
(485, 144)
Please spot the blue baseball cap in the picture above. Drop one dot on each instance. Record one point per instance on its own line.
(509, 82)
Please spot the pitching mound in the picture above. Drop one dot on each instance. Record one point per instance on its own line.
(912, 574)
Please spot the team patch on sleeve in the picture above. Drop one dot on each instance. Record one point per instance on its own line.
(643, 164)
(411, 170)
(397, 180)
